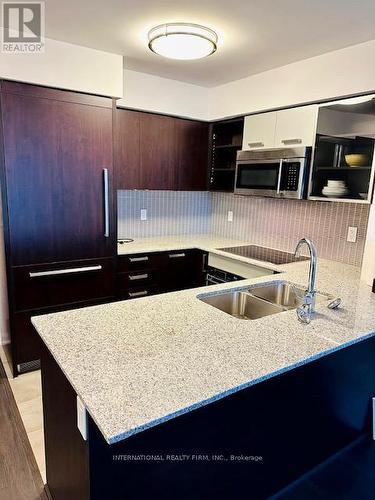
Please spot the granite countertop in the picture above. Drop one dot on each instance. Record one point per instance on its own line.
(138, 363)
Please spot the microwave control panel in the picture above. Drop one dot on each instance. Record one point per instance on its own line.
(290, 176)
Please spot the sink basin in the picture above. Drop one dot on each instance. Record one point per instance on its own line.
(260, 301)
(242, 305)
(283, 294)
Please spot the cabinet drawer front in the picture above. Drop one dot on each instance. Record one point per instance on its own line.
(139, 262)
(188, 261)
(62, 283)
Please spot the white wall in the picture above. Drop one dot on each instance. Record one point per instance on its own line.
(335, 74)
(67, 66)
(163, 95)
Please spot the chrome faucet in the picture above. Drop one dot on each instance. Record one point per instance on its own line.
(308, 307)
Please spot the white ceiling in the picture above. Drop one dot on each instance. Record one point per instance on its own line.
(255, 35)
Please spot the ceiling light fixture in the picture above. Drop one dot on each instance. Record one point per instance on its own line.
(182, 41)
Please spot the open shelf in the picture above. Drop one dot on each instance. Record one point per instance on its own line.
(224, 146)
(226, 140)
(330, 165)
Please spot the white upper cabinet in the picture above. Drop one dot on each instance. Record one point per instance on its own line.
(259, 131)
(296, 126)
(281, 129)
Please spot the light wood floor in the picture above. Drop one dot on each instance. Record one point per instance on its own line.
(20, 478)
(27, 392)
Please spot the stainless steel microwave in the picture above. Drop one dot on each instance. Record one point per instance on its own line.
(279, 173)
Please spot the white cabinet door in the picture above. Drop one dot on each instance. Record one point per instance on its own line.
(259, 131)
(296, 127)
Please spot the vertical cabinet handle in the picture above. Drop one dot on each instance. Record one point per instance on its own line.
(106, 201)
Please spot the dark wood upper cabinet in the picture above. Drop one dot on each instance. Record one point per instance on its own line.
(159, 152)
(55, 154)
(192, 155)
(127, 148)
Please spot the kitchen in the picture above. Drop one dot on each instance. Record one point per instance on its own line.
(187, 262)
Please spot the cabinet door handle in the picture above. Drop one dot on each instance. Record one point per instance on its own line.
(106, 201)
(71, 270)
(255, 144)
(138, 259)
(133, 277)
(291, 141)
(137, 294)
(176, 255)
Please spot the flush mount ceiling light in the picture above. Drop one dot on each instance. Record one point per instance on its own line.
(182, 41)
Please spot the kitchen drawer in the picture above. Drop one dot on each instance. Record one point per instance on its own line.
(185, 269)
(57, 284)
(137, 279)
(139, 262)
(184, 261)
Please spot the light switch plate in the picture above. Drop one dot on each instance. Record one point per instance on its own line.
(81, 418)
(352, 234)
(230, 216)
(143, 214)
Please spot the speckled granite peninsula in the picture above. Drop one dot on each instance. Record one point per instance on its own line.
(136, 364)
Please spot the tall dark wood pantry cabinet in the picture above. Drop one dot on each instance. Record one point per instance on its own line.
(58, 205)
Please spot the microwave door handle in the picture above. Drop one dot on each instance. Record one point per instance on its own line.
(279, 178)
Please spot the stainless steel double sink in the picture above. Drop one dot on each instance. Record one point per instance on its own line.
(259, 301)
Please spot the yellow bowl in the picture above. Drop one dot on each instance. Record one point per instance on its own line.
(357, 160)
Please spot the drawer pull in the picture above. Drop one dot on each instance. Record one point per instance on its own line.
(255, 144)
(138, 259)
(291, 141)
(133, 277)
(71, 270)
(137, 294)
(176, 255)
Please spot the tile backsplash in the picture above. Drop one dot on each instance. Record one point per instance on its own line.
(281, 223)
(168, 213)
(263, 221)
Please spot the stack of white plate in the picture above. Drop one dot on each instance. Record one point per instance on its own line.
(335, 189)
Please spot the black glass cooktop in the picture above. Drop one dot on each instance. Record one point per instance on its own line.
(265, 254)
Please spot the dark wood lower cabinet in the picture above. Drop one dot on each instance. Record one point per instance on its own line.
(253, 442)
(47, 285)
(140, 275)
(45, 288)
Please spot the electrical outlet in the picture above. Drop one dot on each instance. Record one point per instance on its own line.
(143, 214)
(81, 418)
(352, 234)
(230, 216)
